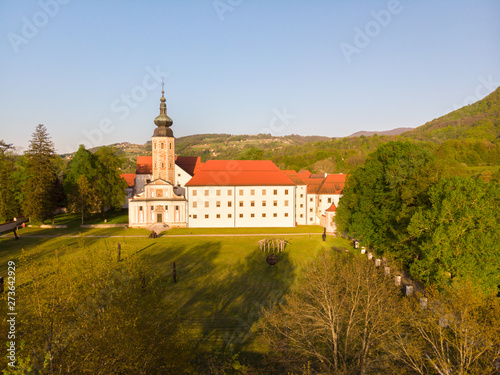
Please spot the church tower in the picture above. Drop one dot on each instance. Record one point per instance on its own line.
(163, 144)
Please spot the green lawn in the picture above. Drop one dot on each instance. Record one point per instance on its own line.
(222, 281)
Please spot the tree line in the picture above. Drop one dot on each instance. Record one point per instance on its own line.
(36, 183)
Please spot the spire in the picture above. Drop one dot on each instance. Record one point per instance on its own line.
(162, 120)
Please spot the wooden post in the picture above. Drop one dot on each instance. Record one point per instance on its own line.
(1, 285)
(174, 273)
(119, 251)
(15, 233)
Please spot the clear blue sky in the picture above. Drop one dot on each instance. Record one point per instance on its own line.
(239, 66)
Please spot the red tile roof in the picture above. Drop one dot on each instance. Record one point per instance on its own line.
(190, 164)
(144, 165)
(332, 208)
(129, 178)
(333, 184)
(294, 176)
(240, 173)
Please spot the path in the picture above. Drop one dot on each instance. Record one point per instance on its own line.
(172, 235)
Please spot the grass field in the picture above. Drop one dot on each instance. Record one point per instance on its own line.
(223, 281)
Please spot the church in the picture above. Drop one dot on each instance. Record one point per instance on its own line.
(178, 191)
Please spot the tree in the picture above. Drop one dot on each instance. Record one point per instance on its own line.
(110, 187)
(381, 197)
(83, 198)
(458, 233)
(9, 205)
(42, 189)
(341, 313)
(458, 333)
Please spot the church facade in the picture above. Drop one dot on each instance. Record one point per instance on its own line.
(176, 191)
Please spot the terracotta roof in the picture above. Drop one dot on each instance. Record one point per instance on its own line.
(240, 173)
(304, 173)
(129, 178)
(317, 175)
(332, 208)
(333, 184)
(294, 176)
(190, 164)
(144, 165)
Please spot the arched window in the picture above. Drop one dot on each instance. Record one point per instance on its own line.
(170, 145)
(162, 145)
(162, 165)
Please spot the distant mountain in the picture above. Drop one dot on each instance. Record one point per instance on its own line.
(477, 121)
(396, 131)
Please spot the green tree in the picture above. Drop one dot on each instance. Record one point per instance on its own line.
(459, 233)
(381, 197)
(9, 205)
(110, 187)
(42, 191)
(83, 197)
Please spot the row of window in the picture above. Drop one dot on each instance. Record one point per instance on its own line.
(230, 204)
(229, 216)
(241, 192)
(153, 208)
(162, 145)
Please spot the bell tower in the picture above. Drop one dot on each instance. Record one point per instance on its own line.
(163, 144)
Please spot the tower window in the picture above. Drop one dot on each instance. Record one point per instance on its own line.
(162, 145)
(170, 145)
(162, 165)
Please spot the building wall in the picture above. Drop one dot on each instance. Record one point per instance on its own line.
(140, 182)
(312, 219)
(164, 158)
(301, 205)
(326, 200)
(241, 206)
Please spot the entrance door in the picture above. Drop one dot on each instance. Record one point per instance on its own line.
(158, 218)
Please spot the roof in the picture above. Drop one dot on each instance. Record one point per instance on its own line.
(190, 164)
(294, 176)
(333, 184)
(240, 173)
(129, 178)
(144, 165)
(332, 208)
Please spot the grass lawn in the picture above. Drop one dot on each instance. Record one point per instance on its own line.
(222, 281)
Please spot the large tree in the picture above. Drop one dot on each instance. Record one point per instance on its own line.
(339, 317)
(42, 191)
(110, 187)
(9, 205)
(458, 233)
(381, 197)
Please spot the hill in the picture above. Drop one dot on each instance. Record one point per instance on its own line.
(477, 121)
(396, 131)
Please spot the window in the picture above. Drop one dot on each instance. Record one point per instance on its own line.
(148, 181)
(302, 195)
(263, 215)
(229, 192)
(217, 192)
(195, 193)
(263, 203)
(286, 203)
(252, 192)
(229, 204)
(177, 208)
(170, 165)
(152, 208)
(162, 165)
(275, 215)
(329, 200)
(218, 216)
(217, 204)
(206, 216)
(263, 191)
(310, 219)
(229, 216)
(155, 165)
(286, 191)
(170, 145)
(206, 193)
(310, 210)
(301, 205)
(206, 204)
(140, 208)
(178, 175)
(166, 208)
(252, 204)
(252, 215)
(241, 203)
(241, 191)
(310, 199)
(162, 145)
(286, 214)
(275, 203)
(275, 192)
(301, 215)
(154, 145)
(241, 215)
(195, 204)
(195, 216)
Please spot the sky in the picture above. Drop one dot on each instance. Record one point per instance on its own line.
(91, 71)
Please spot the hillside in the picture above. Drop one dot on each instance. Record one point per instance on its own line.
(396, 131)
(477, 121)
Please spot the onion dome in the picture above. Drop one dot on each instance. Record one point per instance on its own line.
(162, 120)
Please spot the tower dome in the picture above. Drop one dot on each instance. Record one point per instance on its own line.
(162, 121)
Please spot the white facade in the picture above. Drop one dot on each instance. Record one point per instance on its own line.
(241, 206)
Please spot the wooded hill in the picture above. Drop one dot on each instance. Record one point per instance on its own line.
(468, 138)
